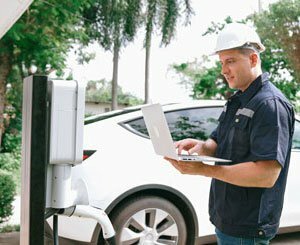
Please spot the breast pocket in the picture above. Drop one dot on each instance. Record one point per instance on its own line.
(240, 138)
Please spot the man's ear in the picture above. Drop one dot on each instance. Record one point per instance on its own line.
(254, 59)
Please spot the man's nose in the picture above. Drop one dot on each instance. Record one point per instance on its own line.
(224, 70)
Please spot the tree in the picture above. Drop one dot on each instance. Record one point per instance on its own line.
(279, 27)
(279, 30)
(205, 83)
(113, 23)
(100, 91)
(164, 16)
(41, 38)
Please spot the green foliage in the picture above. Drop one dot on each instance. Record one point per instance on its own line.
(10, 161)
(279, 30)
(205, 83)
(215, 28)
(7, 192)
(113, 23)
(164, 15)
(128, 99)
(9, 228)
(211, 85)
(13, 110)
(44, 41)
(10, 156)
(100, 91)
(12, 142)
(41, 38)
(85, 57)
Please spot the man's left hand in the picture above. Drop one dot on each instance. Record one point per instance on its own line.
(192, 168)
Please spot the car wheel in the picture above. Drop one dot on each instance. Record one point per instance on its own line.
(149, 220)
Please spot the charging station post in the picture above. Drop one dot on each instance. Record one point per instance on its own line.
(34, 159)
(52, 143)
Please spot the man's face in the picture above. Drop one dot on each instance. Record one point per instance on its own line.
(236, 68)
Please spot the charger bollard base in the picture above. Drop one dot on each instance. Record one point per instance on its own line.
(67, 121)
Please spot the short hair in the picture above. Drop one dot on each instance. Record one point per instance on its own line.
(248, 50)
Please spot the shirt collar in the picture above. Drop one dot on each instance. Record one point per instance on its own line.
(245, 96)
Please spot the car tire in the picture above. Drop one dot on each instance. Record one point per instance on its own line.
(149, 220)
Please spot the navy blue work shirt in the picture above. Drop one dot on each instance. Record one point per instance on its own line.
(256, 124)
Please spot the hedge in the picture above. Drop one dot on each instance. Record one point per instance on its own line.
(7, 193)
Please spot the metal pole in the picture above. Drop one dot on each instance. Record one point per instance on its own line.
(34, 160)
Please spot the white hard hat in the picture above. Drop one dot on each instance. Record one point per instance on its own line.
(236, 35)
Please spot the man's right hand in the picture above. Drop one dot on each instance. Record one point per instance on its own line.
(190, 145)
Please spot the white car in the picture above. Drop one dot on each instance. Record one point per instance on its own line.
(148, 201)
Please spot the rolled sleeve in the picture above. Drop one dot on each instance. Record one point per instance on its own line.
(214, 135)
(270, 134)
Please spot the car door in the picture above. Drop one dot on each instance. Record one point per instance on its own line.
(291, 210)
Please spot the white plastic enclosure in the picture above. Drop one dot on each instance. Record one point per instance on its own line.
(67, 100)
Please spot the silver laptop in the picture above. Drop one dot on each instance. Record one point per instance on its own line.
(161, 138)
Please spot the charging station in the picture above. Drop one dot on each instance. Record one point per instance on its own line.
(34, 159)
(52, 143)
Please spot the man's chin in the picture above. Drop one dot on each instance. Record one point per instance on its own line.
(231, 85)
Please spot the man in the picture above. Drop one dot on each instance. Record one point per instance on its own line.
(255, 131)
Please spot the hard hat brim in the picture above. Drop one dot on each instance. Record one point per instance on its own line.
(260, 50)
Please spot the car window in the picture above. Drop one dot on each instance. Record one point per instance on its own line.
(137, 125)
(296, 137)
(188, 123)
(195, 123)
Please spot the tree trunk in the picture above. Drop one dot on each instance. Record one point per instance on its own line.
(147, 67)
(5, 68)
(114, 82)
